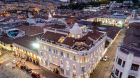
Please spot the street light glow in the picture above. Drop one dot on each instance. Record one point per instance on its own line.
(36, 45)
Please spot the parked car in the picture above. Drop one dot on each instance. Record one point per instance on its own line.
(35, 75)
(25, 68)
(105, 58)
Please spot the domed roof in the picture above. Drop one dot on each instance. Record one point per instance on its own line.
(76, 30)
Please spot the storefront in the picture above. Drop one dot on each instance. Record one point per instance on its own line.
(26, 54)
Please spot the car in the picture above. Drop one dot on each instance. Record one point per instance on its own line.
(35, 75)
(105, 58)
(23, 67)
(14, 61)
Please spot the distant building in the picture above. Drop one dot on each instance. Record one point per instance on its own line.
(65, 0)
(127, 63)
(79, 1)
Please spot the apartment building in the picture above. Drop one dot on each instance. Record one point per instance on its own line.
(126, 64)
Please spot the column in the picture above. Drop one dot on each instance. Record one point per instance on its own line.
(127, 65)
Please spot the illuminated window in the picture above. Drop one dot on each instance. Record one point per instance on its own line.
(78, 36)
(73, 75)
(72, 35)
(61, 39)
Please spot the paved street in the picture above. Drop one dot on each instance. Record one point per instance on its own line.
(103, 69)
(8, 72)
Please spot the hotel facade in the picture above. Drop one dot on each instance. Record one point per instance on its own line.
(74, 54)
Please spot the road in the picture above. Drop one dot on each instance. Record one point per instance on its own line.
(103, 69)
(8, 72)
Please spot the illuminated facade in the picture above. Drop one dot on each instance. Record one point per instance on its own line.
(26, 53)
(74, 54)
(109, 21)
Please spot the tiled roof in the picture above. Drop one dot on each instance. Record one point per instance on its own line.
(31, 30)
(110, 30)
(27, 41)
(6, 39)
(131, 42)
(84, 42)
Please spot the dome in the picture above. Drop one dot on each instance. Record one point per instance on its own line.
(76, 31)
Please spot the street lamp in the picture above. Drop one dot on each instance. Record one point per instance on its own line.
(36, 45)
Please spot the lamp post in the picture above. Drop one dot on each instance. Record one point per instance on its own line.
(36, 45)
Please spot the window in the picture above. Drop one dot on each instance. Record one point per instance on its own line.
(67, 72)
(61, 53)
(134, 67)
(67, 65)
(120, 75)
(67, 55)
(131, 76)
(61, 62)
(83, 69)
(74, 67)
(73, 75)
(74, 58)
(49, 49)
(119, 61)
(123, 64)
(116, 59)
(55, 51)
(117, 72)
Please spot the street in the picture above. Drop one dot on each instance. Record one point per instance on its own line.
(104, 68)
(7, 70)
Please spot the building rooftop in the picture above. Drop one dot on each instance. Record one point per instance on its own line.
(31, 30)
(64, 39)
(131, 42)
(27, 41)
(110, 30)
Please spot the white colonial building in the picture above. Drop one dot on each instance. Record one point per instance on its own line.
(127, 61)
(74, 53)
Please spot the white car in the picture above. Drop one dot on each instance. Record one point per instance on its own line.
(14, 61)
(105, 58)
